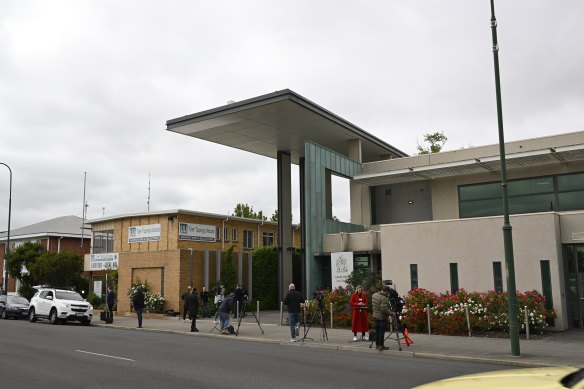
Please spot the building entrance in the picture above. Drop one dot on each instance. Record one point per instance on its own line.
(574, 265)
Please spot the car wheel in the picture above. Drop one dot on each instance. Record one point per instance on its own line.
(4, 315)
(31, 316)
(53, 319)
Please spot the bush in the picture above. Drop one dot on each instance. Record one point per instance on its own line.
(487, 311)
(93, 299)
(154, 302)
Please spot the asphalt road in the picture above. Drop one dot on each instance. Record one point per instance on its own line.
(56, 356)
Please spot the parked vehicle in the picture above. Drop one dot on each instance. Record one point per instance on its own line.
(59, 305)
(13, 306)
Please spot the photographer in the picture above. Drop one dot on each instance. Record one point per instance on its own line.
(293, 300)
(381, 312)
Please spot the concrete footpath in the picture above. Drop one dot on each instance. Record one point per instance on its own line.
(564, 348)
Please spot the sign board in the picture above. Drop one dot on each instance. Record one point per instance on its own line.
(107, 261)
(97, 288)
(341, 267)
(196, 232)
(149, 233)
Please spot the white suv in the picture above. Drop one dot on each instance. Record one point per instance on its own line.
(59, 305)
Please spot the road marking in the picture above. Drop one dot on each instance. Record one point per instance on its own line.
(104, 355)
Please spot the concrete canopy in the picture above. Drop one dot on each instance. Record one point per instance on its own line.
(280, 121)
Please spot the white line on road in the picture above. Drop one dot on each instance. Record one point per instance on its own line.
(104, 355)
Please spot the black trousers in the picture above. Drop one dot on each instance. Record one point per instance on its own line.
(110, 311)
(193, 322)
(380, 327)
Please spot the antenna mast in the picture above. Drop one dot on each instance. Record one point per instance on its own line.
(84, 209)
(148, 192)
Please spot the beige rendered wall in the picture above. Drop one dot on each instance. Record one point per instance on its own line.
(474, 244)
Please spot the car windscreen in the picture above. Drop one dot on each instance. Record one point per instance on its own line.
(17, 300)
(69, 296)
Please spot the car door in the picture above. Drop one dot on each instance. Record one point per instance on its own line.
(45, 302)
(2, 304)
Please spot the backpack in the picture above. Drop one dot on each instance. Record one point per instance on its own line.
(231, 330)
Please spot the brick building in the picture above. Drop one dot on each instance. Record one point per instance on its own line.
(174, 249)
(60, 234)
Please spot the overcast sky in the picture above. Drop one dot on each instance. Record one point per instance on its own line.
(87, 86)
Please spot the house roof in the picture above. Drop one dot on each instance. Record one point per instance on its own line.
(65, 226)
(280, 121)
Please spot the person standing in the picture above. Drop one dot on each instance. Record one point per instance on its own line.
(381, 312)
(359, 320)
(238, 300)
(138, 303)
(204, 297)
(192, 303)
(219, 296)
(293, 300)
(223, 311)
(110, 301)
(184, 298)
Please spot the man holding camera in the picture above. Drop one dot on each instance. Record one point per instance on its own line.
(381, 312)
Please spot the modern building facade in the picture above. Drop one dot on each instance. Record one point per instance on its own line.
(432, 220)
(174, 249)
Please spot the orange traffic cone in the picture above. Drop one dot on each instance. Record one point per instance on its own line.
(407, 339)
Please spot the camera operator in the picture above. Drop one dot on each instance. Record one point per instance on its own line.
(381, 312)
(219, 295)
(293, 300)
(239, 297)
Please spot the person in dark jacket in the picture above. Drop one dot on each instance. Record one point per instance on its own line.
(204, 297)
(293, 300)
(184, 299)
(239, 296)
(381, 312)
(110, 301)
(223, 311)
(192, 303)
(138, 303)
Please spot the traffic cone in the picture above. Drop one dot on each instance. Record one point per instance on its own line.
(407, 339)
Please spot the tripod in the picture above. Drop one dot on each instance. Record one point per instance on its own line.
(242, 313)
(396, 328)
(318, 314)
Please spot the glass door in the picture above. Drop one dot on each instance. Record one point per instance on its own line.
(574, 264)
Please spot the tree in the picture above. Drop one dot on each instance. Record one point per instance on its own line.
(19, 263)
(228, 278)
(436, 142)
(244, 210)
(58, 269)
(274, 216)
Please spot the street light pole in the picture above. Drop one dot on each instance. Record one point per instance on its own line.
(7, 249)
(507, 230)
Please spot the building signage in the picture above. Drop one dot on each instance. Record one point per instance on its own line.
(149, 233)
(341, 267)
(108, 261)
(196, 232)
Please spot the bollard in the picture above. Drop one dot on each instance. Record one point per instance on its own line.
(258, 309)
(331, 316)
(467, 319)
(526, 323)
(429, 321)
(281, 312)
(237, 307)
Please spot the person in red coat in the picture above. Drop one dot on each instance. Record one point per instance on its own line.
(359, 306)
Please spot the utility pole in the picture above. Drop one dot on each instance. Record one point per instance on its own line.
(84, 209)
(7, 249)
(507, 230)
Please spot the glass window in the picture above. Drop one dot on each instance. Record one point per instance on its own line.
(536, 203)
(569, 201)
(480, 191)
(498, 277)
(247, 239)
(530, 186)
(268, 238)
(361, 262)
(103, 241)
(217, 234)
(226, 234)
(413, 276)
(571, 182)
(453, 278)
(481, 208)
(234, 234)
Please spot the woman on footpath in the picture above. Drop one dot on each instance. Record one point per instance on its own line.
(359, 319)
